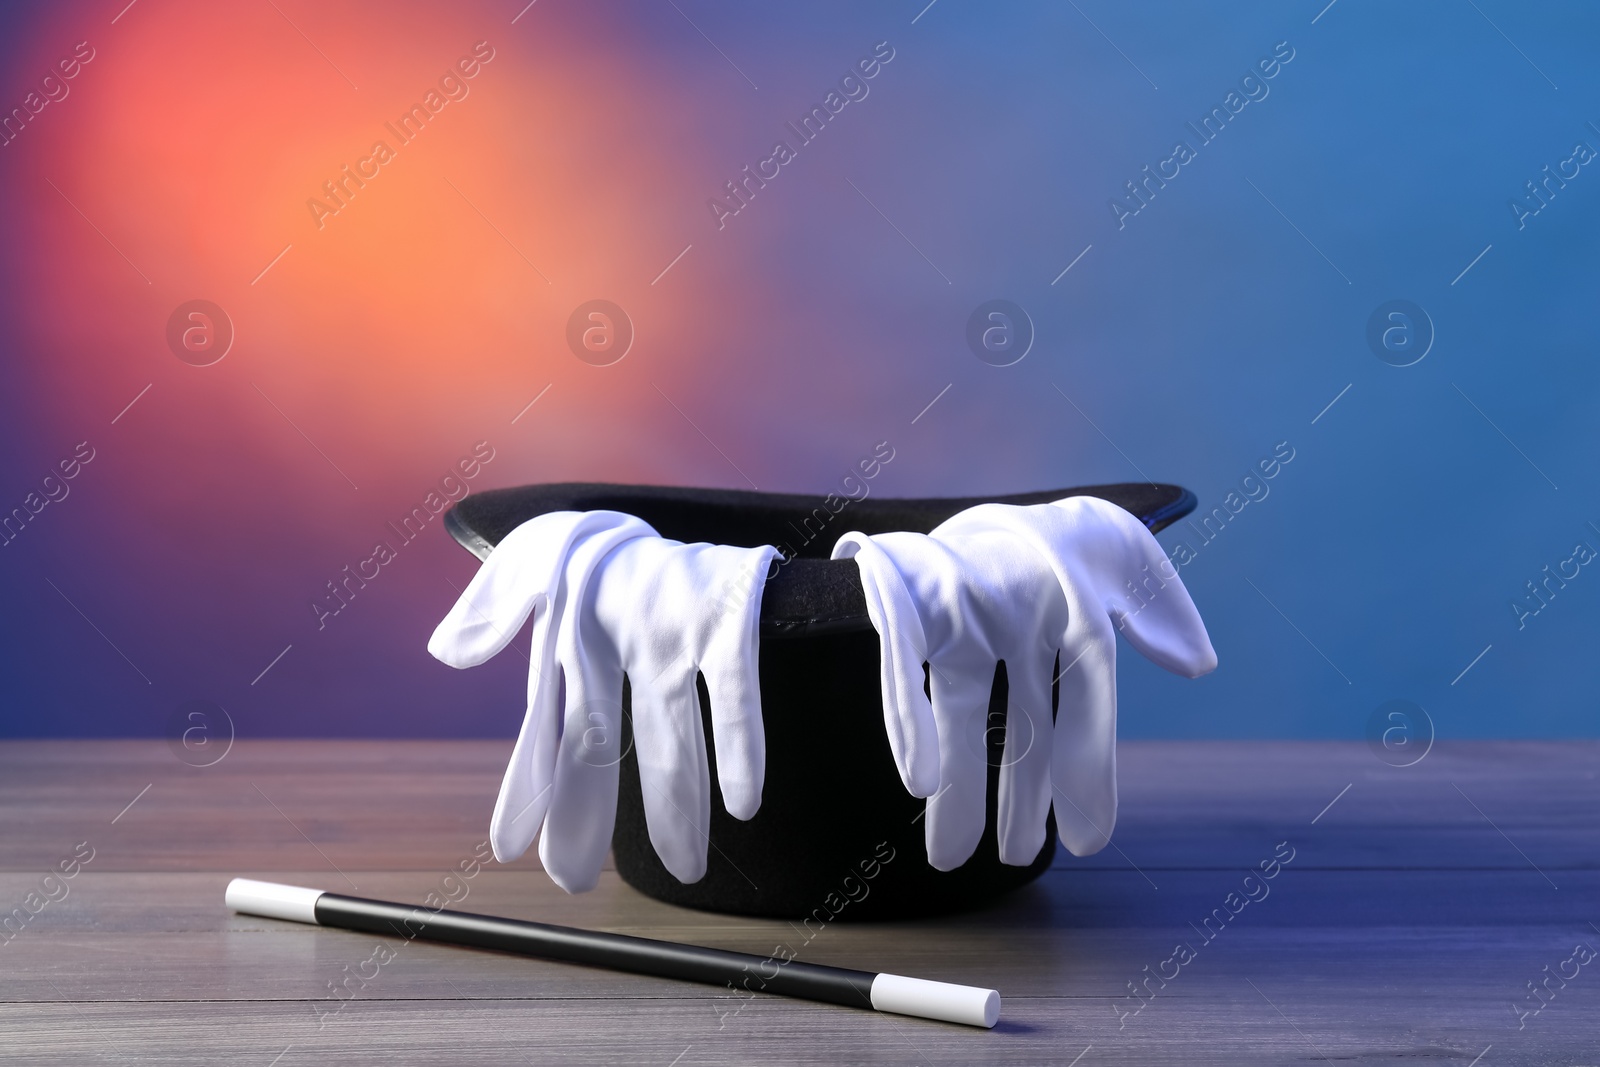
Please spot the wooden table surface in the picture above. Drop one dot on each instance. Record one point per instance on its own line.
(1419, 905)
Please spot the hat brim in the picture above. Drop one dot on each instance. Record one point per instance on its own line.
(810, 594)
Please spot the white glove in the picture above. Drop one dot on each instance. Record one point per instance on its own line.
(1024, 585)
(611, 597)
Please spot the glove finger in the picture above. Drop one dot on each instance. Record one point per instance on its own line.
(1024, 793)
(650, 599)
(521, 575)
(1083, 766)
(731, 669)
(526, 570)
(673, 777)
(956, 813)
(908, 716)
(583, 795)
(583, 802)
(525, 792)
(1158, 618)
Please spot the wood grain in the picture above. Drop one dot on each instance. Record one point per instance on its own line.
(1414, 913)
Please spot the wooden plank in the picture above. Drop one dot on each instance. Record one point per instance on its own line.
(270, 803)
(1183, 804)
(1416, 911)
(167, 937)
(1241, 1025)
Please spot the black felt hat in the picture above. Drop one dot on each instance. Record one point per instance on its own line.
(837, 836)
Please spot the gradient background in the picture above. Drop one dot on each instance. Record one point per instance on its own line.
(825, 317)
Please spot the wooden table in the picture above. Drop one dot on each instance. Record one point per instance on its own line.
(1419, 904)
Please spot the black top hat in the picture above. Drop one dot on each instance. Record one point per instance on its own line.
(837, 835)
